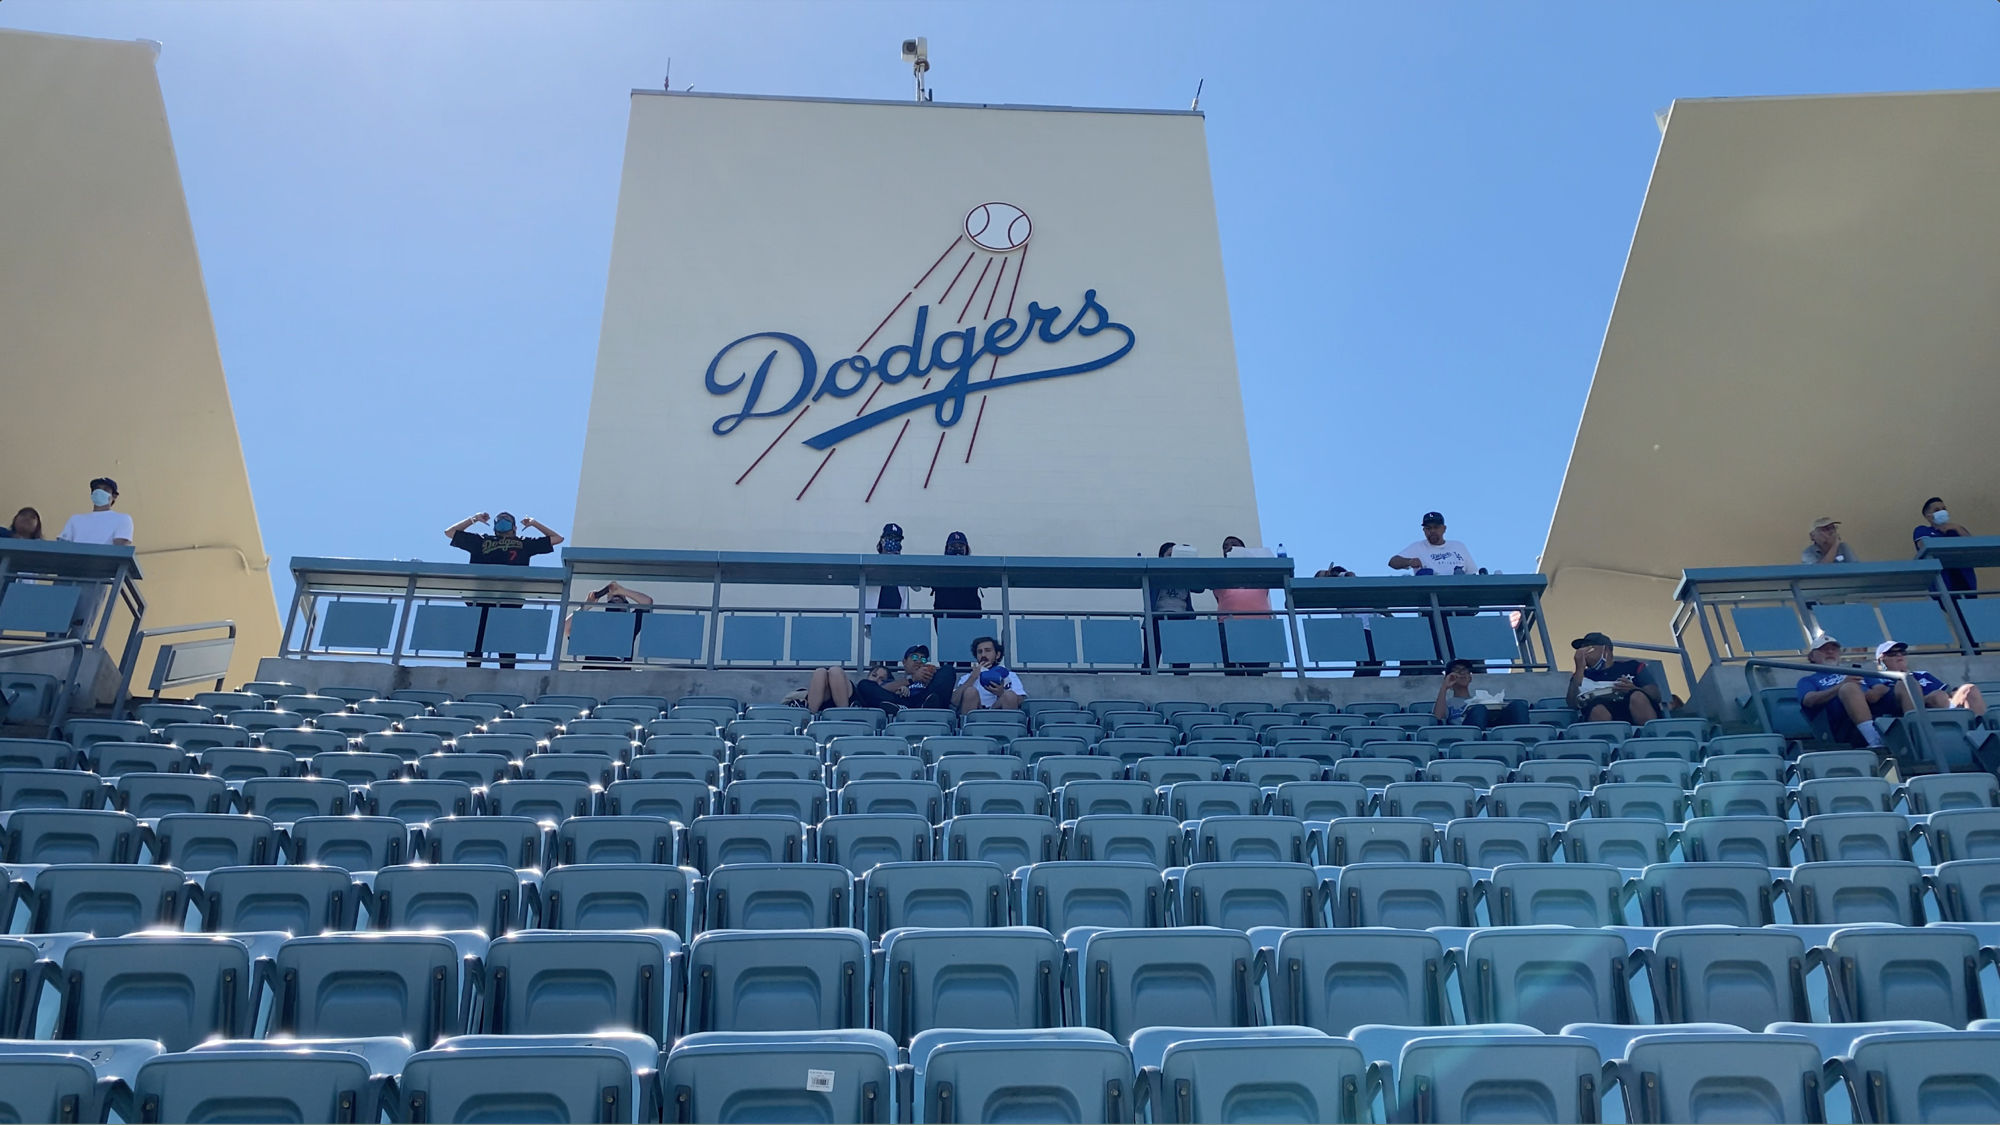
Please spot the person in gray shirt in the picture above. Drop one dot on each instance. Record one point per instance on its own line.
(1826, 545)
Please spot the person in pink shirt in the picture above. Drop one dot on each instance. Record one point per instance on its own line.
(1239, 603)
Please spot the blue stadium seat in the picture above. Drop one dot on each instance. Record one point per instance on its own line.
(1855, 891)
(1765, 840)
(50, 789)
(178, 989)
(107, 899)
(1376, 839)
(860, 841)
(352, 843)
(1258, 1077)
(1619, 842)
(1241, 896)
(1139, 839)
(1923, 1076)
(715, 840)
(355, 767)
(1010, 841)
(1553, 801)
(343, 985)
(464, 896)
(286, 799)
(1492, 841)
(1020, 798)
(541, 1083)
(1071, 1076)
(416, 802)
(1108, 893)
(1555, 894)
(203, 841)
(49, 1086)
(787, 980)
(147, 795)
(779, 896)
(1706, 894)
(619, 896)
(71, 836)
(750, 1077)
(941, 893)
(1127, 979)
(509, 841)
(1904, 973)
(1938, 792)
(800, 800)
(1335, 980)
(919, 798)
(1320, 800)
(1545, 977)
(1193, 800)
(1487, 1077)
(1967, 890)
(616, 839)
(296, 900)
(995, 977)
(1403, 895)
(268, 1085)
(1746, 977)
(1721, 1077)
(541, 982)
(1963, 834)
(1857, 835)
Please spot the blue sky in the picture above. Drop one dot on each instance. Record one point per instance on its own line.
(404, 213)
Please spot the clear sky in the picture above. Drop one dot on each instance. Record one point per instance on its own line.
(404, 213)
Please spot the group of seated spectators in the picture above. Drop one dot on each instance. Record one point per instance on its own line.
(985, 686)
(1855, 707)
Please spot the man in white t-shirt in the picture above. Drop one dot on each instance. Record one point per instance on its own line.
(990, 685)
(100, 525)
(1434, 554)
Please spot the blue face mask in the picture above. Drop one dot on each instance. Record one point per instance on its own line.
(503, 527)
(100, 498)
(891, 546)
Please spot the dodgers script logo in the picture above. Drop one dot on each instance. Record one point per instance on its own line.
(778, 375)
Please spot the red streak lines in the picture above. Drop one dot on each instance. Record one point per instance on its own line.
(956, 276)
(885, 462)
(974, 295)
(774, 443)
(816, 472)
(934, 457)
(1011, 294)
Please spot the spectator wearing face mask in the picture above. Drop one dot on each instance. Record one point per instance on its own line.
(956, 601)
(504, 547)
(1938, 524)
(887, 601)
(100, 525)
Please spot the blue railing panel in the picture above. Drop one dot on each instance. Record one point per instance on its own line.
(1483, 638)
(1406, 640)
(1045, 640)
(823, 640)
(1112, 643)
(1195, 641)
(1335, 640)
(445, 628)
(31, 607)
(1256, 640)
(673, 636)
(358, 625)
(1768, 629)
(753, 639)
(890, 637)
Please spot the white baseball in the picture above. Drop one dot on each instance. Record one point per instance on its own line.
(998, 227)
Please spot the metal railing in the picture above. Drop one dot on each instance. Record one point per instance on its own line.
(59, 707)
(164, 674)
(1746, 612)
(1920, 731)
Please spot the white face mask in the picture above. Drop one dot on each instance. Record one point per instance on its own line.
(99, 497)
(1940, 516)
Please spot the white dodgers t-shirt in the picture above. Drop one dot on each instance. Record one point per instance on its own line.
(1443, 558)
(104, 528)
(987, 698)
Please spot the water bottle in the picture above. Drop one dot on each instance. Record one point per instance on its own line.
(1281, 552)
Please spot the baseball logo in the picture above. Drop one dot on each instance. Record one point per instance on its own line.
(998, 227)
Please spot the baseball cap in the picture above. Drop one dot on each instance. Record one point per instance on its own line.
(1590, 638)
(892, 531)
(1822, 522)
(1820, 639)
(1433, 517)
(1887, 647)
(107, 484)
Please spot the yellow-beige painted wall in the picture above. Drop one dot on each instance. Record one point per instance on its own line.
(108, 358)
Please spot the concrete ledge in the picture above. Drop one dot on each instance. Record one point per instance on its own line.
(771, 687)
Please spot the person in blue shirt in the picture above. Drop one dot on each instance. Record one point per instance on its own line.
(1938, 524)
(1894, 656)
(1849, 703)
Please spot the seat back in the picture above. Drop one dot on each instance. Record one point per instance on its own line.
(1722, 1077)
(860, 841)
(1849, 892)
(715, 840)
(1403, 895)
(1195, 975)
(998, 977)
(1924, 1076)
(107, 899)
(746, 1076)
(1067, 893)
(1556, 894)
(271, 1085)
(541, 982)
(345, 985)
(1290, 1079)
(1545, 978)
(619, 896)
(1051, 1076)
(937, 893)
(352, 843)
(528, 1083)
(1010, 841)
(458, 896)
(789, 980)
(1747, 977)
(779, 896)
(1549, 1078)
(1240, 896)
(177, 989)
(297, 900)
(1706, 894)
(1621, 842)
(1904, 973)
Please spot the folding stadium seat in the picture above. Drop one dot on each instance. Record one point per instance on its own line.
(597, 728)
(107, 899)
(955, 769)
(715, 840)
(859, 841)
(1597, 751)
(417, 802)
(538, 1083)
(784, 980)
(791, 720)
(552, 712)
(498, 742)
(356, 767)
(917, 798)
(1612, 731)
(1850, 892)
(50, 789)
(204, 841)
(196, 737)
(1377, 839)
(675, 799)
(1419, 754)
(1375, 773)
(1746, 977)
(404, 744)
(1191, 975)
(998, 977)
(1740, 798)
(1856, 835)
(582, 769)
(158, 794)
(302, 743)
(352, 843)
(718, 712)
(541, 982)
(779, 896)
(1577, 773)
(615, 839)
(81, 733)
(1319, 800)
(71, 836)
(1922, 1076)
(1480, 773)
(178, 989)
(1193, 800)
(1555, 894)
(1446, 735)
(1291, 1078)
(1411, 896)
(1743, 767)
(1765, 840)
(942, 893)
(345, 985)
(1436, 801)
(1140, 839)
(619, 896)
(1549, 1078)
(1239, 896)
(868, 715)
(1491, 841)
(353, 726)
(297, 900)
(1507, 751)
(1838, 763)
(1555, 802)
(800, 800)
(1167, 770)
(541, 730)
(1324, 752)
(368, 703)
(878, 767)
(765, 744)
(270, 1085)
(1667, 771)
(1020, 798)
(1721, 1077)
(444, 726)
(655, 704)
(937, 746)
(56, 754)
(746, 1077)
(1060, 770)
(463, 896)
(1845, 794)
(309, 704)
(220, 702)
(1706, 894)
(698, 768)
(476, 770)
(1620, 842)
(1335, 980)
(1059, 895)
(50, 1087)
(1904, 973)
(157, 715)
(915, 731)
(544, 799)
(1963, 834)
(508, 841)
(1010, 841)
(1033, 748)
(1938, 792)
(1067, 1075)
(1651, 799)
(260, 722)
(1968, 890)
(1251, 839)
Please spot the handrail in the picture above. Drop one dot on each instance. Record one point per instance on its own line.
(1922, 737)
(128, 663)
(61, 709)
(1687, 663)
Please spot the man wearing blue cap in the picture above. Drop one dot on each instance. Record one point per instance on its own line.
(990, 685)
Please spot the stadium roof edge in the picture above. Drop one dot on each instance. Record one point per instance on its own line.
(906, 102)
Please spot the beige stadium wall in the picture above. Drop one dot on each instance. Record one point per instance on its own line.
(108, 359)
(1806, 326)
(835, 222)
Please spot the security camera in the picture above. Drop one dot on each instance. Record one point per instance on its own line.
(917, 50)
